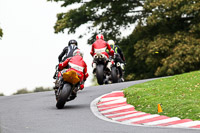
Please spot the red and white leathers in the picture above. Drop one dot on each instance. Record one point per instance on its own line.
(77, 64)
(100, 46)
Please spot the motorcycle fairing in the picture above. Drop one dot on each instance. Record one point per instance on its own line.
(71, 77)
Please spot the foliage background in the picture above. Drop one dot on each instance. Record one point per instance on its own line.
(37, 89)
(165, 40)
(1, 32)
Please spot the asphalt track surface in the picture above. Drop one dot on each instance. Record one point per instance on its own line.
(37, 113)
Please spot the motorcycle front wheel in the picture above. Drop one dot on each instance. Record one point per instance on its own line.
(99, 74)
(63, 96)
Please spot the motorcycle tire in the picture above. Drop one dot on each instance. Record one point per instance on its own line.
(63, 96)
(99, 74)
(114, 75)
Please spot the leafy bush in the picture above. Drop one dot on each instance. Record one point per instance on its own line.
(37, 89)
(22, 91)
(40, 89)
(1, 33)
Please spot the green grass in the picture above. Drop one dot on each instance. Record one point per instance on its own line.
(179, 96)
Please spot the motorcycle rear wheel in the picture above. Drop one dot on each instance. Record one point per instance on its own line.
(114, 75)
(99, 74)
(63, 96)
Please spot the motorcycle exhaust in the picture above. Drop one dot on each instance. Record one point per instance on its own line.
(95, 56)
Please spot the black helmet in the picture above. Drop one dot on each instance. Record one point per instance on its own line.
(72, 42)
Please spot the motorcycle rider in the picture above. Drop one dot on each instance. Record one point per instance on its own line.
(77, 64)
(67, 52)
(120, 58)
(100, 46)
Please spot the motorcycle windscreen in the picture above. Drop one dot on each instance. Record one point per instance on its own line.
(71, 77)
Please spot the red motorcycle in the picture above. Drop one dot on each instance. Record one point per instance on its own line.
(102, 74)
(68, 83)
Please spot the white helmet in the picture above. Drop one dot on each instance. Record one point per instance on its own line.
(111, 42)
(78, 52)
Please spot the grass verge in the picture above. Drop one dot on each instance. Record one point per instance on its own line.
(179, 96)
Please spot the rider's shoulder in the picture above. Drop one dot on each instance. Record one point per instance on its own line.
(117, 45)
(65, 48)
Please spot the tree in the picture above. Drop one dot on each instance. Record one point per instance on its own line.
(21, 91)
(167, 41)
(41, 89)
(37, 89)
(1, 33)
(105, 16)
(164, 42)
(1, 94)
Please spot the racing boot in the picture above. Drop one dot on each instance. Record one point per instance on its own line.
(122, 66)
(81, 86)
(56, 86)
(122, 79)
(94, 68)
(109, 66)
(54, 76)
(73, 96)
